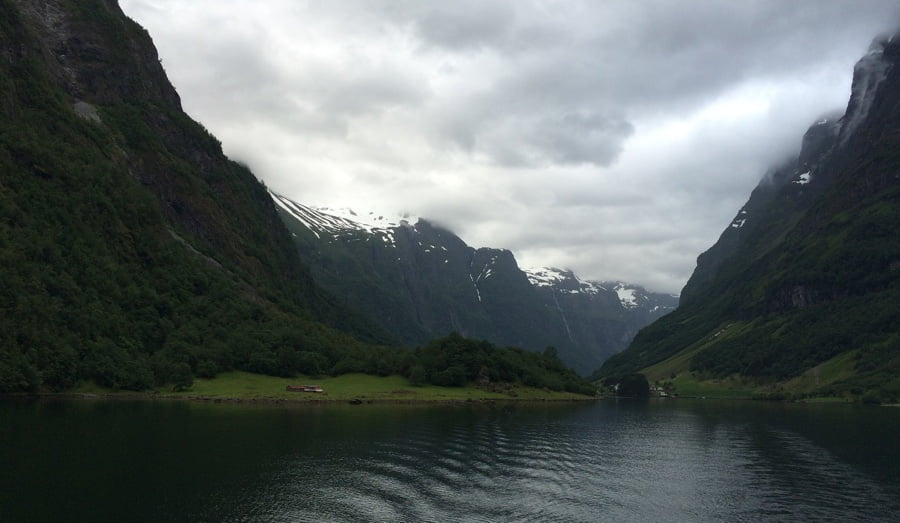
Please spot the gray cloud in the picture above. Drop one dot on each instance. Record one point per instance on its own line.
(613, 138)
(463, 25)
(541, 139)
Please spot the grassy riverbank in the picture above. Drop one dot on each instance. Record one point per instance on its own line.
(814, 385)
(245, 386)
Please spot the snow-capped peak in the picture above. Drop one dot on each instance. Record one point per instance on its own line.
(547, 276)
(368, 221)
(566, 282)
(563, 280)
(326, 220)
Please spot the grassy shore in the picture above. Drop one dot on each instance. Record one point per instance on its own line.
(803, 388)
(244, 386)
(676, 375)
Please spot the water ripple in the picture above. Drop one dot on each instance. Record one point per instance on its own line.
(596, 464)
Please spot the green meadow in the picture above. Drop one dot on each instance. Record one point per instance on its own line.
(246, 386)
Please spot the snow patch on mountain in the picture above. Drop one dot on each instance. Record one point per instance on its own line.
(591, 287)
(370, 221)
(803, 179)
(488, 269)
(475, 286)
(546, 276)
(340, 222)
(564, 281)
(739, 220)
(627, 297)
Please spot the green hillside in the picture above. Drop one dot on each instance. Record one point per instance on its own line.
(132, 250)
(817, 277)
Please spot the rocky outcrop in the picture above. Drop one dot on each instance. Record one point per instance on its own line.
(84, 41)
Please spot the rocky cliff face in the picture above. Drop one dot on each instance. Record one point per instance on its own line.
(774, 205)
(133, 250)
(802, 275)
(81, 40)
(110, 73)
(420, 281)
(603, 315)
(789, 190)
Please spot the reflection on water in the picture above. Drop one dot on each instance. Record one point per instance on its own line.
(608, 461)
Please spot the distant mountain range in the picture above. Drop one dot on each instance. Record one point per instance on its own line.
(802, 289)
(418, 281)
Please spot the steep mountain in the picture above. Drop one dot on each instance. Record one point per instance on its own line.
(419, 281)
(605, 315)
(132, 250)
(803, 286)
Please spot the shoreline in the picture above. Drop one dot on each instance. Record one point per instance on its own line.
(362, 400)
(194, 398)
(238, 387)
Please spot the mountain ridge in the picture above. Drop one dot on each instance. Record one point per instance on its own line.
(806, 274)
(426, 281)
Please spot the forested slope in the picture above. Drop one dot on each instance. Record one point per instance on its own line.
(132, 250)
(809, 271)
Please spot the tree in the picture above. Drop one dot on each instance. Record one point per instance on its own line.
(631, 385)
(417, 375)
(182, 377)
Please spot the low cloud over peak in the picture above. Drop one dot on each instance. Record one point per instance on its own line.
(616, 138)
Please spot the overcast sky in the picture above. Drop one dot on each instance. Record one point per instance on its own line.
(614, 138)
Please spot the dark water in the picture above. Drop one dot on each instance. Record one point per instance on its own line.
(610, 461)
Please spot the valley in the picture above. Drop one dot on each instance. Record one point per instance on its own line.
(185, 336)
(420, 281)
(137, 255)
